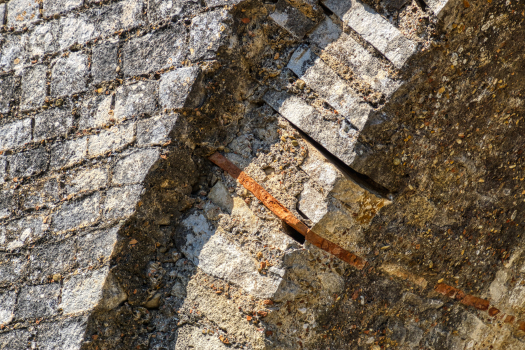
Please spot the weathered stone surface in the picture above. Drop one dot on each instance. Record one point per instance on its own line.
(52, 7)
(43, 193)
(69, 74)
(82, 292)
(43, 260)
(105, 61)
(136, 99)
(21, 232)
(2, 13)
(87, 180)
(113, 139)
(155, 131)
(122, 15)
(95, 112)
(14, 340)
(7, 306)
(78, 213)
(436, 5)
(65, 334)
(220, 195)
(28, 163)
(43, 39)
(7, 203)
(7, 89)
(12, 268)
(133, 168)
(20, 13)
(15, 134)
(181, 88)
(291, 19)
(75, 29)
(14, 53)
(96, 247)
(155, 51)
(52, 123)
(67, 153)
(3, 169)
(121, 201)
(33, 87)
(207, 31)
(37, 301)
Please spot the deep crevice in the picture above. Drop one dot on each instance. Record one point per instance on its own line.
(293, 233)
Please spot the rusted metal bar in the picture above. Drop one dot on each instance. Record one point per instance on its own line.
(284, 214)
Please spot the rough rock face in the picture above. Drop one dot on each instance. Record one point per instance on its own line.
(391, 128)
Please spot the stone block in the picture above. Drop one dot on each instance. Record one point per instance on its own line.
(374, 29)
(159, 9)
(122, 15)
(33, 87)
(21, 232)
(105, 61)
(86, 180)
(69, 74)
(153, 52)
(44, 192)
(14, 53)
(83, 292)
(291, 19)
(21, 13)
(66, 334)
(181, 88)
(96, 247)
(436, 5)
(8, 202)
(7, 90)
(12, 268)
(134, 167)
(3, 169)
(95, 112)
(121, 201)
(136, 99)
(28, 163)
(220, 195)
(75, 28)
(336, 91)
(111, 140)
(15, 339)
(2, 14)
(7, 306)
(207, 32)
(50, 259)
(68, 153)
(52, 123)
(37, 301)
(78, 213)
(15, 134)
(43, 39)
(52, 7)
(155, 131)
(325, 33)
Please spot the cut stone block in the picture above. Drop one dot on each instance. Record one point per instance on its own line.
(136, 99)
(153, 52)
(21, 13)
(122, 15)
(28, 163)
(37, 301)
(8, 202)
(105, 61)
(374, 29)
(181, 88)
(14, 53)
(20, 232)
(75, 29)
(33, 87)
(2, 14)
(15, 134)
(44, 193)
(207, 32)
(111, 140)
(44, 262)
(95, 112)
(15, 339)
(436, 5)
(87, 180)
(77, 213)
(7, 306)
(52, 123)
(291, 19)
(52, 7)
(83, 292)
(7, 90)
(96, 247)
(321, 78)
(155, 131)
(121, 201)
(13, 268)
(135, 167)
(43, 39)
(3, 169)
(68, 153)
(337, 139)
(325, 33)
(65, 334)
(69, 74)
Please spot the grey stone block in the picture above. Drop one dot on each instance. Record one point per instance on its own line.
(160, 9)
(44, 262)
(44, 192)
(155, 131)
(66, 334)
(95, 112)
(105, 61)
(121, 201)
(321, 78)
(135, 167)
(3, 169)
(122, 15)
(15, 339)
(21, 232)
(436, 5)
(14, 53)
(337, 139)
(67, 153)
(8, 202)
(33, 87)
(153, 52)
(52, 7)
(52, 123)
(12, 268)
(111, 140)
(181, 88)
(7, 306)
(21, 13)
(7, 90)
(75, 28)
(15, 134)
(2, 14)
(69, 74)
(96, 247)
(325, 33)
(43, 39)
(28, 163)
(37, 301)
(78, 213)
(291, 19)
(207, 33)
(87, 180)
(136, 99)
(83, 292)
(374, 29)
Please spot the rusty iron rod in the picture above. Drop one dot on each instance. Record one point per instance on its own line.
(284, 214)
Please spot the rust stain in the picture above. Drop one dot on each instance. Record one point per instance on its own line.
(284, 214)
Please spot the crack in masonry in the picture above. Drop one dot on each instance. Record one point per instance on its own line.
(284, 214)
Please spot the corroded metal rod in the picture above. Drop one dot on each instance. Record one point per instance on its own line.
(284, 214)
